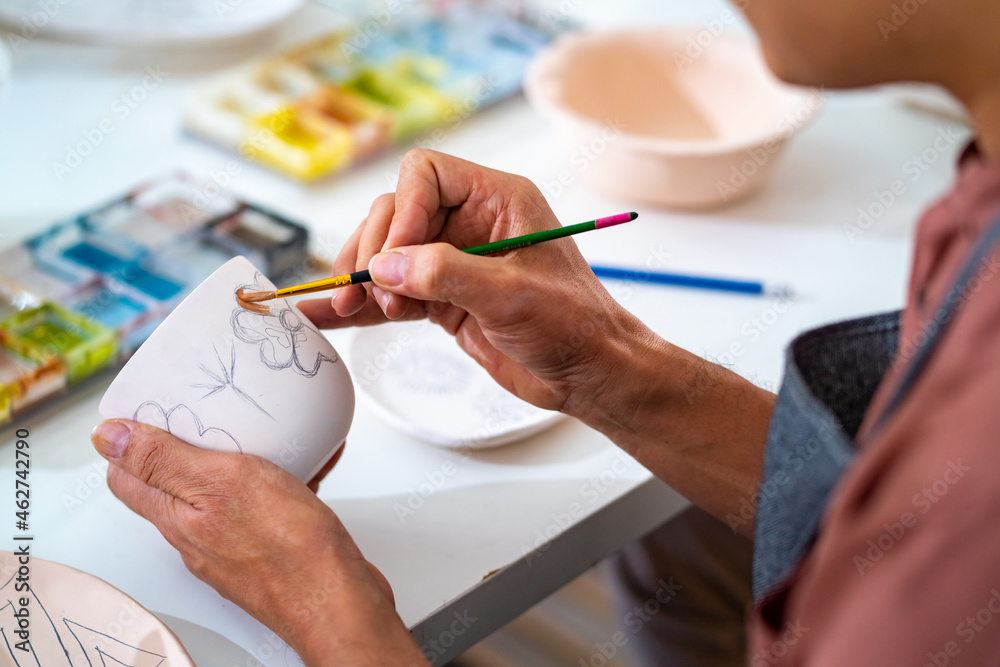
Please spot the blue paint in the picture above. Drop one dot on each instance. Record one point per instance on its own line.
(92, 257)
(129, 272)
(158, 287)
(111, 309)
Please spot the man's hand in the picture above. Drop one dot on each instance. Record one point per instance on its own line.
(262, 539)
(537, 319)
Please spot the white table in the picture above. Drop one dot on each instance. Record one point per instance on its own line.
(511, 525)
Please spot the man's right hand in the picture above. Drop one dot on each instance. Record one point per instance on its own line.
(537, 319)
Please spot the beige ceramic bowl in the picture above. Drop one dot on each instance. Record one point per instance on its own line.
(673, 116)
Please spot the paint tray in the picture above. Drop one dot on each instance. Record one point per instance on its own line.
(323, 106)
(78, 298)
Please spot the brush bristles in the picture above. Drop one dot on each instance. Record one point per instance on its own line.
(254, 297)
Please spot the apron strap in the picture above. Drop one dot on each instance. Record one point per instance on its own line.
(938, 324)
(830, 377)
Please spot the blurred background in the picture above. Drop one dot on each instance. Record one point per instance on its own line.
(307, 106)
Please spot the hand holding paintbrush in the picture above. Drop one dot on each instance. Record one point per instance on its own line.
(545, 328)
(251, 300)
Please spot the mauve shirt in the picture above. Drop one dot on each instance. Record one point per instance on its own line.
(905, 569)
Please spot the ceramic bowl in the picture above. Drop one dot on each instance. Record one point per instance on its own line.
(672, 116)
(225, 378)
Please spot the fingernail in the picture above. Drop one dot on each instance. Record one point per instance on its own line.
(388, 268)
(110, 438)
(333, 304)
(383, 297)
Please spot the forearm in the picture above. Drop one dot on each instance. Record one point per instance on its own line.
(355, 626)
(696, 425)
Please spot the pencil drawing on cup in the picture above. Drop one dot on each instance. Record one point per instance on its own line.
(180, 420)
(284, 338)
(228, 379)
(225, 378)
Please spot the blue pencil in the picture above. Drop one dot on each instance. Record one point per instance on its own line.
(700, 282)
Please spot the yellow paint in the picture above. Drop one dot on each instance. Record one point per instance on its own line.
(303, 144)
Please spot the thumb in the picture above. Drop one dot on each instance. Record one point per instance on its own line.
(154, 457)
(440, 272)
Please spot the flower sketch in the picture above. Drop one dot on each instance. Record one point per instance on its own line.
(285, 338)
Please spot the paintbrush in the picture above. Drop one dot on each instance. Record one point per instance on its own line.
(251, 300)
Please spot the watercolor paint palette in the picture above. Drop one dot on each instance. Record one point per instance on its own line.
(81, 296)
(323, 106)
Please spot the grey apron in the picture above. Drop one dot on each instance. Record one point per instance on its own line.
(831, 374)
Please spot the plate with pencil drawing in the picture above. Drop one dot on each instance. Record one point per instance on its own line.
(414, 376)
(52, 614)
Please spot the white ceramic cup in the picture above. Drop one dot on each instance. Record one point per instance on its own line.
(224, 378)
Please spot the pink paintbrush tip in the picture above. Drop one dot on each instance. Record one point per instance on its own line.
(612, 220)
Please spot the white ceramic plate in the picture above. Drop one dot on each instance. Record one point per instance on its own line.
(415, 377)
(77, 617)
(143, 22)
(207, 647)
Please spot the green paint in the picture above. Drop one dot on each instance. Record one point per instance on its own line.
(83, 345)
